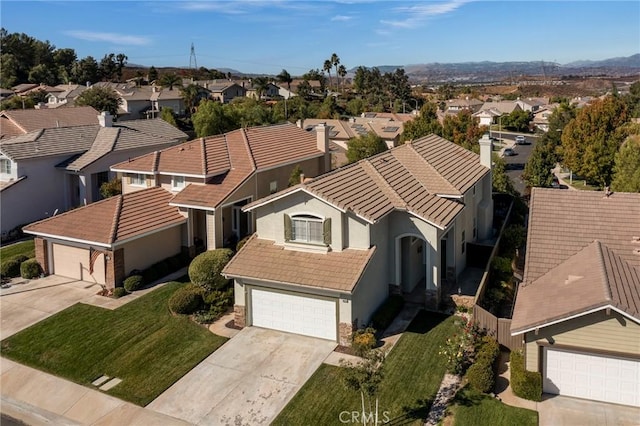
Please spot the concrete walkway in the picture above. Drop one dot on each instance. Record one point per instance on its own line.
(503, 386)
(247, 381)
(38, 398)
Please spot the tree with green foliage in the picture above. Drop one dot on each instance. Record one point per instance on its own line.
(329, 108)
(463, 129)
(626, 169)
(328, 65)
(108, 67)
(248, 112)
(260, 85)
(166, 113)
(169, 80)
(501, 182)
(17, 102)
(365, 377)
(153, 74)
(101, 99)
(426, 123)
(537, 171)
(111, 188)
(205, 269)
(517, 120)
(212, 119)
(591, 140)
(192, 94)
(356, 106)
(294, 178)
(285, 78)
(633, 100)
(364, 147)
(342, 73)
(121, 61)
(85, 71)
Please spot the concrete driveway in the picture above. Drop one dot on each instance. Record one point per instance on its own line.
(561, 410)
(24, 304)
(247, 381)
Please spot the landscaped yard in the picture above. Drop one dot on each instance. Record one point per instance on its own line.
(412, 376)
(473, 408)
(25, 247)
(141, 343)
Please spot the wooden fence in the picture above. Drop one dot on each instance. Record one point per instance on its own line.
(498, 328)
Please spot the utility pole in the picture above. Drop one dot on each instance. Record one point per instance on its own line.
(193, 63)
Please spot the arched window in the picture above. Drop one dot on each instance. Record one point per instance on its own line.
(306, 228)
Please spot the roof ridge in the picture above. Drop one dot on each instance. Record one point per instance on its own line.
(603, 268)
(395, 198)
(248, 147)
(412, 149)
(203, 145)
(156, 161)
(116, 219)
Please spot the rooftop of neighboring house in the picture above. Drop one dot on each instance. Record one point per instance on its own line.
(504, 107)
(535, 101)
(389, 116)
(113, 220)
(21, 88)
(18, 122)
(86, 144)
(356, 127)
(226, 160)
(69, 90)
(583, 253)
(463, 103)
(420, 177)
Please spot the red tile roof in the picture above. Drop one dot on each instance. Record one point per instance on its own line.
(18, 122)
(113, 220)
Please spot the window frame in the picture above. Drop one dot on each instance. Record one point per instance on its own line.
(308, 219)
(174, 186)
(135, 176)
(273, 187)
(5, 162)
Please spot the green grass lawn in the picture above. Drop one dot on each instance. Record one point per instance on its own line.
(473, 408)
(412, 375)
(140, 343)
(25, 247)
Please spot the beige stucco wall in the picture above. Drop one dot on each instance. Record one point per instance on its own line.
(356, 232)
(144, 252)
(598, 330)
(165, 182)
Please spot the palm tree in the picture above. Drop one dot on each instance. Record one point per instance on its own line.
(191, 95)
(327, 67)
(260, 84)
(335, 60)
(285, 77)
(342, 72)
(170, 80)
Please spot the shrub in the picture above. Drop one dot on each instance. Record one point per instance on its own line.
(30, 269)
(206, 267)
(242, 242)
(118, 292)
(387, 312)
(10, 269)
(480, 375)
(363, 341)
(525, 384)
(501, 269)
(218, 302)
(133, 283)
(489, 348)
(513, 237)
(186, 300)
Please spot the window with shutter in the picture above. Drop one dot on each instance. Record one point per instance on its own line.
(306, 229)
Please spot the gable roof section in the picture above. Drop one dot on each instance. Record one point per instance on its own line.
(28, 120)
(263, 260)
(580, 256)
(280, 144)
(411, 177)
(113, 220)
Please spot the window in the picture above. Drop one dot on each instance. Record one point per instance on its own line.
(5, 166)
(139, 179)
(462, 242)
(177, 182)
(273, 187)
(307, 229)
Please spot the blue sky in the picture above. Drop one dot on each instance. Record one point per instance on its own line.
(267, 36)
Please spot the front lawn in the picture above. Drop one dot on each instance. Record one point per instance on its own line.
(141, 343)
(412, 376)
(474, 408)
(26, 248)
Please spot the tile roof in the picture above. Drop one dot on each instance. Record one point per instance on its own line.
(113, 220)
(263, 260)
(89, 140)
(597, 230)
(28, 120)
(410, 177)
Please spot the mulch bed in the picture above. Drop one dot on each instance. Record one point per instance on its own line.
(344, 350)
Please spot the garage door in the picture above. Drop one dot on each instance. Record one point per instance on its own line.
(294, 313)
(73, 262)
(597, 377)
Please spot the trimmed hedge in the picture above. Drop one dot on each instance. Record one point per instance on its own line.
(10, 269)
(481, 375)
(206, 267)
(525, 384)
(30, 269)
(133, 283)
(186, 300)
(118, 292)
(387, 312)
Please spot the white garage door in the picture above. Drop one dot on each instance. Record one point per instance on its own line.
(73, 262)
(294, 314)
(596, 377)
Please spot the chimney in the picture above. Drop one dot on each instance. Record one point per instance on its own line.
(301, 177)
(322, 138)
(486, 149)
(105, 119)
(300, 123)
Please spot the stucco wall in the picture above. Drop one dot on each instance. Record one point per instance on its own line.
(165, 182)
(127, 187)
(614, 333)
(145, 251)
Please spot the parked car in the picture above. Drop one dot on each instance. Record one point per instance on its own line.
(521, 140)
(555, 183)
(510, 152)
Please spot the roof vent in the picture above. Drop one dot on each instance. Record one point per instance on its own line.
(635, 239)
(572, 278)
(636, 252)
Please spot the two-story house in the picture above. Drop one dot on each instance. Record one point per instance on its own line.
(184, 198)
(327, 253)
(48, 171)
(21, 121)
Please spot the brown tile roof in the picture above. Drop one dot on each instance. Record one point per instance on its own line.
(263, 260)
(280, 144)
(581, 254)
(113, 220)
(28, 120)
(410, 177)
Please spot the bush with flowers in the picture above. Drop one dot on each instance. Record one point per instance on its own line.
(459, 349)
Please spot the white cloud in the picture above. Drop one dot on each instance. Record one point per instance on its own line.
(422, 12)
(115, 38)
(342, 18)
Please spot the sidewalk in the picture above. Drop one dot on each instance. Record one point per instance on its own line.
(503, 386)
(38, 398)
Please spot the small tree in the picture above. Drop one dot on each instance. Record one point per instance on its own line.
(365, 377)
(101, 99)
(626, 168)
(167, 115)
(365, 146)
(294, 178)
(111, 188)
(205, 269)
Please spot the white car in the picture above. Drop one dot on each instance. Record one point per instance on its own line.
(521, 140)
